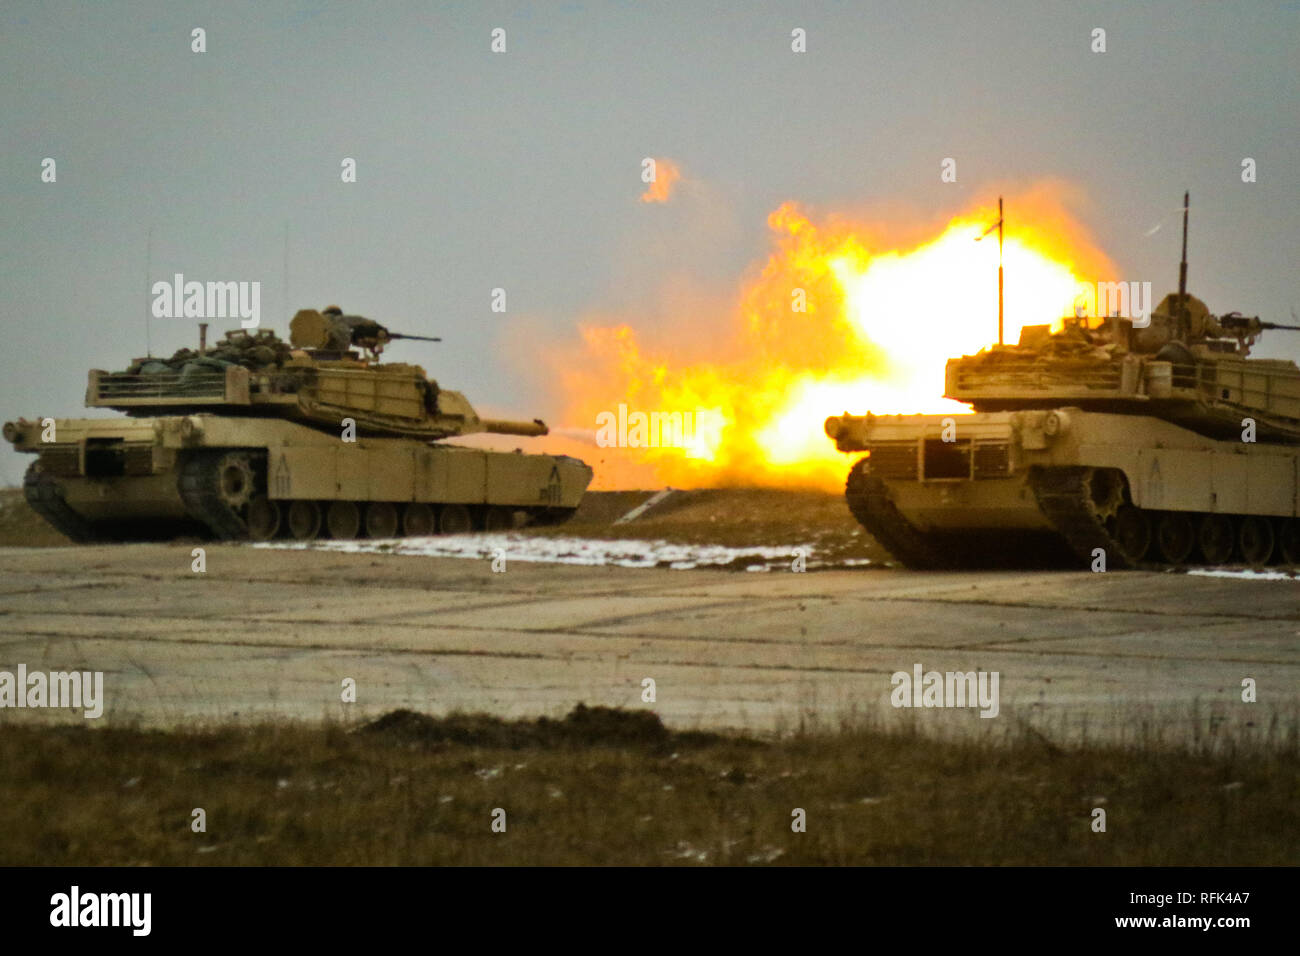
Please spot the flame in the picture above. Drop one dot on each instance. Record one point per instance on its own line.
(666, 176)
(843, 316)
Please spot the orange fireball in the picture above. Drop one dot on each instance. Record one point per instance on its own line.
(838, 319)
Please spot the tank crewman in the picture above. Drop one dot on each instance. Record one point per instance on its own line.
(1196, 321)
(331, 330)
(338, 331)
(364, 332)
(328, 329)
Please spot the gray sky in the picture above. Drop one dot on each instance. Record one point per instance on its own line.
(521, 170)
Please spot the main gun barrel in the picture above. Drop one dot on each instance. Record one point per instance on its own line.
(497, 426)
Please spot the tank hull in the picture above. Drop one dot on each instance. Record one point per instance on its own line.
(246, 477)
(1133, 486)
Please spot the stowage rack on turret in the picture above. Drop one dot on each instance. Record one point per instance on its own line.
(1186, 366)
(258, 374)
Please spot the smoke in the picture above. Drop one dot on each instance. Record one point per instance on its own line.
(848, 311)
(665, 176)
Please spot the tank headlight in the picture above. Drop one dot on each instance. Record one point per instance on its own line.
(191, 428)
(1056, 423)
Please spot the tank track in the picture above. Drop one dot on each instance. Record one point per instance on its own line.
(551, 517)
(1062, 495)
(869, 501)
(43, 496)
(199, 490)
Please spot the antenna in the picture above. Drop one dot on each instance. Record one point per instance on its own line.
(1182, 272)
(1182, 266)
(999, 270)
(285, 276)
(148, 309)
(998, 226)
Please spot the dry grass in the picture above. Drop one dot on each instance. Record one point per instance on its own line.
(607, 787)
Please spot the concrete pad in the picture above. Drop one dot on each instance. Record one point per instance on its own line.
(272, 635)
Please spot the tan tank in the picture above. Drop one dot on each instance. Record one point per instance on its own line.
(1106, 446)
(256, 438)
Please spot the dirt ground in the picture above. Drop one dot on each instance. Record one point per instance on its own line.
(772, 690)
(737, 517)
(270, 634)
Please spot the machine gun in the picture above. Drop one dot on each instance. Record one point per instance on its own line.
(1251, 323)
(333, 331)
(1246, 327)
(371, 336)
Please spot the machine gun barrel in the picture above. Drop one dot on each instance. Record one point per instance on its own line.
(418, 338)
(1233, 321)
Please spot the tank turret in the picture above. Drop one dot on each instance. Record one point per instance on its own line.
(316, 379)
(1183, 364)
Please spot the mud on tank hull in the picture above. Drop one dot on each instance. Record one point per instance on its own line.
(233, 478)
(1052, 486)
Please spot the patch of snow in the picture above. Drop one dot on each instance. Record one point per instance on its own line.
(625, 553)
(1246, 574)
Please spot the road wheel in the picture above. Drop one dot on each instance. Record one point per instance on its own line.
(263, 518)
(304, 520)
(1288, 540)
(343, 519)
(1133, 532)
(1175, 537)
(455, 519)
(381, 519)
(1217, 539)
(498, 519)
(1255, 539)
(418, 520)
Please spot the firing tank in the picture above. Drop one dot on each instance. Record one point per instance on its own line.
(1113, 444)
(258, 438)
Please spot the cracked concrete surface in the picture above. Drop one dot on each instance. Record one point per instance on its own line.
(272, 634)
